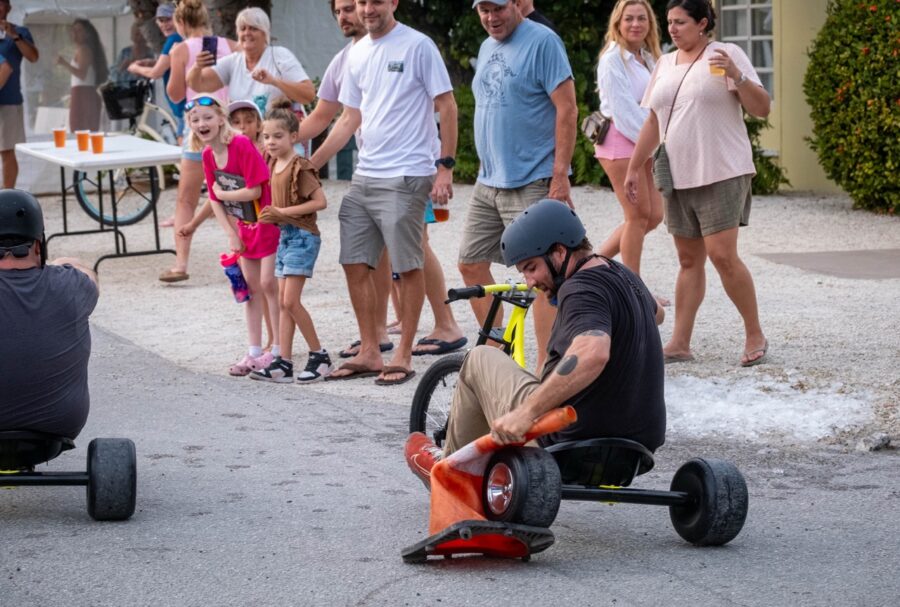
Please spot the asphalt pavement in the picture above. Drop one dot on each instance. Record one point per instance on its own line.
(257, 495)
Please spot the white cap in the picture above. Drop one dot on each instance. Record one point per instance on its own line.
(243, 105)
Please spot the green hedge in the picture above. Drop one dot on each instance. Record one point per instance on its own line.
(852, 86)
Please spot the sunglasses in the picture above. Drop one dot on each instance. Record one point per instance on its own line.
(201, 101)
(18, 251)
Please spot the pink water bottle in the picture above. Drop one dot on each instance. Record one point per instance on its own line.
(239, 287)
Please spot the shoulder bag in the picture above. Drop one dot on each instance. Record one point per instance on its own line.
(595, 126)
(662, 173)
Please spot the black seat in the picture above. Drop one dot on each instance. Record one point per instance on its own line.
(601, 461)
(24, 449)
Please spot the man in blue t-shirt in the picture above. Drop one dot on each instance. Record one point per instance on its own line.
(15, 43)
(525, 116)
(147, 68)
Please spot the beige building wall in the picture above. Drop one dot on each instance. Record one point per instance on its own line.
(795, 25)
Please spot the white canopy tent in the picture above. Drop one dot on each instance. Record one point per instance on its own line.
(306, 27)
(45, 85)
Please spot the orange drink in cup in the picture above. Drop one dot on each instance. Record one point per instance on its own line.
(715, 70)
(441, 211)
(84, 140)
(59, 138)
(97, 142)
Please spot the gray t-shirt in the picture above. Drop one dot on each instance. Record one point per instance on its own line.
(45, 344)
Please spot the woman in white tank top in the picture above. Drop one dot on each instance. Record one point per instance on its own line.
(192, 22)
(88, 69)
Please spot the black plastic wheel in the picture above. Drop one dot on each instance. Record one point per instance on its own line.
(112, 479)
(522, 485)
(719, 506)
(430, 411)
(137, 190)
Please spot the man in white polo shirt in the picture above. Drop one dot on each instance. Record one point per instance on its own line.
(393, 82)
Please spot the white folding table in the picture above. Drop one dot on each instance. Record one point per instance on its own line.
(120, 152)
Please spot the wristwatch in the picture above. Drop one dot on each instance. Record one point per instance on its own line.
(741, 80)
(447, 161)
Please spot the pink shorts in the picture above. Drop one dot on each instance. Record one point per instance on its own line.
(260, 239)
(615, 146)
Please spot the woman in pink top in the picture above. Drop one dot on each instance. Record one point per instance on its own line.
(192, 22)
(711, 163)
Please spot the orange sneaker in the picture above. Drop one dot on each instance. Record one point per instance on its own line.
(421, 456)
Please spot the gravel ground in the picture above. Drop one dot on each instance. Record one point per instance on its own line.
(826, 333)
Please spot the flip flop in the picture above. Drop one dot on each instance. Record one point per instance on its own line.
(761, 359)
(443, 347)
(385, 347)
(407, 375)
(357, 371)
(173, 276)
(677, 358)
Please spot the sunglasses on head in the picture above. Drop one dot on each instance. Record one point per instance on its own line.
(202, 101)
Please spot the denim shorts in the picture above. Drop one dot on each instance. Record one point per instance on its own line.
(186, 152)
(297, 252)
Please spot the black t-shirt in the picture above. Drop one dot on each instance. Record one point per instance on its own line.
(538, 17)
(45, 345)
(627, 399)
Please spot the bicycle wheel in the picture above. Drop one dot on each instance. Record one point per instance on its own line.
(137, 190)
(430, 411)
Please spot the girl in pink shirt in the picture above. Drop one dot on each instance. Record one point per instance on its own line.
(236, 173)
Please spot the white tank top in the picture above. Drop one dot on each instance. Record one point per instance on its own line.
(90, 79)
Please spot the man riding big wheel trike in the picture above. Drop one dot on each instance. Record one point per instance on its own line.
(516, 444)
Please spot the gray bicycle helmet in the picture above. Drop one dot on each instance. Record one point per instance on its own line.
(538, 228)
(21, 223)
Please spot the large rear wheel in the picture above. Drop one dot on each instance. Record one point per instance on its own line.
(112, 479)
(719, 502)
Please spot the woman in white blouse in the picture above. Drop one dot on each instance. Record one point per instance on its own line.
(623, 71)
(259, 72)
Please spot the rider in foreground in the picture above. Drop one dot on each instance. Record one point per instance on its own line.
(604, 356)
(46, 340)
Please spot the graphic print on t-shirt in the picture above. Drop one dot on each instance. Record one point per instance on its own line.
(247, 211)
(493, 81)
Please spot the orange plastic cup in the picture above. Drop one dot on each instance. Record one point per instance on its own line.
(715, 70)
(84, 140)
(97, 142)
(59, 138)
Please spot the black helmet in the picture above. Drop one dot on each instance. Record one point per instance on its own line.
(20, 216)
(21, 221)
(538, 228)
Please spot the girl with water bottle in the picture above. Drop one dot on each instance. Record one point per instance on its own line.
(296, 197)
(238, 182)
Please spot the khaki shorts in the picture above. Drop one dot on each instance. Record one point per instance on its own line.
(12, 119)
(490, 211)
(384, 212)
(699, 212)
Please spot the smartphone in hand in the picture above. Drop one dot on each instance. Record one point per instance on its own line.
(211, 45)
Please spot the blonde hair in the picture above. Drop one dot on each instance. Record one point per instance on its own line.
(226, 131)
(281, 110)
(255, 17)
(614, 36)
(193, 14)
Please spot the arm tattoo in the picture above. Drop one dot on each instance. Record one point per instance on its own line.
(567, 365)
(593, 333)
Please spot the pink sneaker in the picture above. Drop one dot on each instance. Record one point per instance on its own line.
(421, 456)
(241, 367)
(261, 362)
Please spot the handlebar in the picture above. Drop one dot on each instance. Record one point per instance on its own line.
(482, 290)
